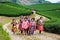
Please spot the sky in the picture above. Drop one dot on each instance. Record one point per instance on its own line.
(53, 1)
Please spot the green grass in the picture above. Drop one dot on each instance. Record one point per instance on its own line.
(3, 34)
(44, 7)
(12, 9)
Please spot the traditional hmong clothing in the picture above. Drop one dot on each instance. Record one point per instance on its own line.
(25, 26)
(40, 25)
(14, 27)
(20, 25)
(28, 31)
(32, 27)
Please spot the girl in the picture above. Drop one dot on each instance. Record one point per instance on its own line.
(20, 24)
(14, 26)
(28, 19)
(40, 25)
(25, 25)
(32, 26)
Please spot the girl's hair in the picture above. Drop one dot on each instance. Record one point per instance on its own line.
(33, 19)
(13, 19)
(25, 18)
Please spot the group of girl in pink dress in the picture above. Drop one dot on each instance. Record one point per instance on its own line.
(27, 25)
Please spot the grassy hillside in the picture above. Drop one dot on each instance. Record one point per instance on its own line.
(12, 9)
(3, 34)
(51, 11)
(44, 7)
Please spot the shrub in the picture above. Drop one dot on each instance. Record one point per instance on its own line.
(52, 27)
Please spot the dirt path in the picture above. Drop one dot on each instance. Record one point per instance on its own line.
(54, 36)
(13, 37)
(36, 36)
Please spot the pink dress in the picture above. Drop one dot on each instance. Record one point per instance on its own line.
(32, 24)
(25, 24)
(40, 25)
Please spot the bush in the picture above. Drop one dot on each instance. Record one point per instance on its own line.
(52, 27)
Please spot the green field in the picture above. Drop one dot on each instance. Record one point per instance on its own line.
(12, 9)
(51, 11)
(3, 34)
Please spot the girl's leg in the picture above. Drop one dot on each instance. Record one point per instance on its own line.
(29, 30)
(25, 31)
(39, 31)
(15, 30)
(21, 31)
(12, 30)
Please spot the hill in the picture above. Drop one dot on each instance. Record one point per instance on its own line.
(51, 11)
(12, 9)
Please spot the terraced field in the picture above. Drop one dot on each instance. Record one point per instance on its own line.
(12, 9)
(52, 11)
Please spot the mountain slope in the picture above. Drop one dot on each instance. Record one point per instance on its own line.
(25, 2)
(29, 2)
(12, 9)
